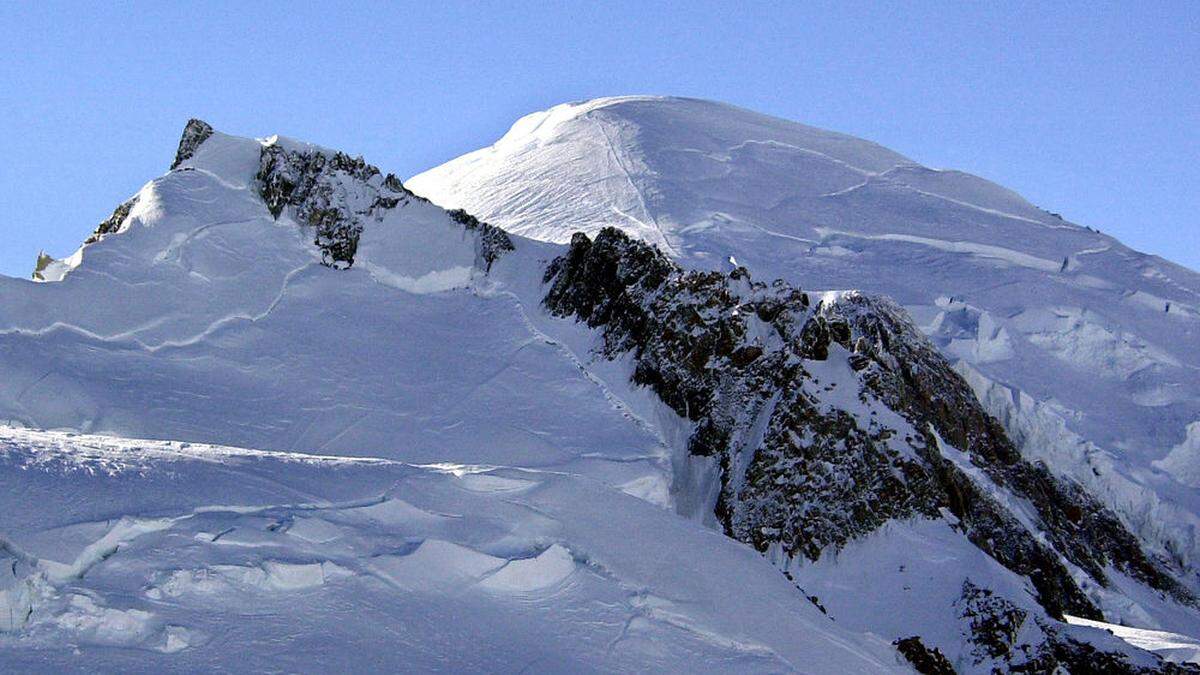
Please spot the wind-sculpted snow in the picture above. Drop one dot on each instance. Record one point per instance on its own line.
(153, 557)
(1086, 350)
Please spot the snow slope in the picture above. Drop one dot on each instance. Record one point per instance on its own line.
(230, 330)
(175, 557)
(1179, 648)
(1086, 350)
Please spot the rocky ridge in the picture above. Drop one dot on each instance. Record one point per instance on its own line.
(337, 195)
(1084, 349)
(315, 185)
(754, 368)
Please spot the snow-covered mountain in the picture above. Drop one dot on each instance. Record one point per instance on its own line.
(1088, 352)
(394, 436)
(464, 500)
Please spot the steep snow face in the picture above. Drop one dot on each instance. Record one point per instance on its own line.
(1086, 350)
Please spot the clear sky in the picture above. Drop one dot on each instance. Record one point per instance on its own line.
(1088, 109)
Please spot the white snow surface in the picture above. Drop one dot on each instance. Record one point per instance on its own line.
(206, 320)
(1171, 646)
(1087, 351)
(151, 556)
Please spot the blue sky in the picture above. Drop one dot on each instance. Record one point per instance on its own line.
(1091, 111)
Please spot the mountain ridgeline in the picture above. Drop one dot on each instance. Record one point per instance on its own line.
(312, 182)
(816, 475)
(822, 429)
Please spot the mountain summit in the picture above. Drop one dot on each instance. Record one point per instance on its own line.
(281, 412)
(1086, 350)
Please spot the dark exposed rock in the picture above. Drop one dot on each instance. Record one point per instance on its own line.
(993, 622)
(813, 476)
(997, 633)
(745, 355)
(493, 241)
(113, 222)
(1061, 653)
(195, 132)
(912, 377)
(337, 195)
(839, 332)
(923, 659)
(605, 284)
(816, 339)
(334, 194)
(999, 534)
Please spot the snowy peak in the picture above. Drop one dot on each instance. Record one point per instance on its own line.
(628, 161)
(321, 194)
(711, 123)
(1085, 349)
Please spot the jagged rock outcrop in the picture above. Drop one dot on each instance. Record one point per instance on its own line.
(493, 241)
(926, 660)
(331, 192)
(906, 372)
(195, 132)
(337, 195)
(44, 261)
(316, 184)
(754, 366)
(334, 194)
(993, 624)
(113, 223)
(1006, 638)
